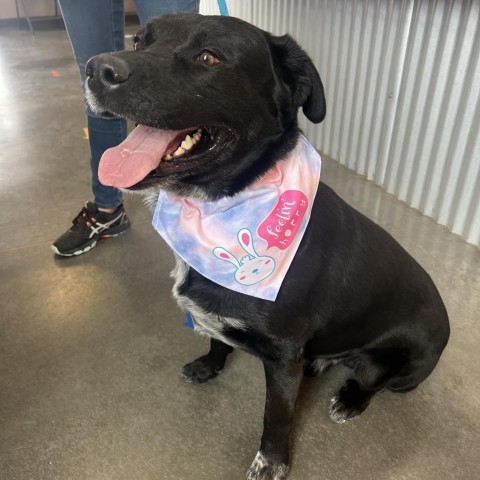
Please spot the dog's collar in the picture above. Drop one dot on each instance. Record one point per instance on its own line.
(246, 242)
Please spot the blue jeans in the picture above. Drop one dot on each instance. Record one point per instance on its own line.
(97, 26)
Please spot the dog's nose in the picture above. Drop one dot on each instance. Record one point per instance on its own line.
(111, 70)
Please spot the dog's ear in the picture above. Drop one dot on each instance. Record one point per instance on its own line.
(295, 68)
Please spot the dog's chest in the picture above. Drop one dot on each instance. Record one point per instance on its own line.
(206, 323)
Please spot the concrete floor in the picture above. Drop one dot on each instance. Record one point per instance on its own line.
(90, 347)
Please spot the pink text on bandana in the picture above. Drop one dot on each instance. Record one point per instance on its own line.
(282, 223)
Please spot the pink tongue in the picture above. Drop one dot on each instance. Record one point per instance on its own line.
(132, 160)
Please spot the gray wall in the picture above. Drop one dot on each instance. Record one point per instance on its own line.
(402, 80)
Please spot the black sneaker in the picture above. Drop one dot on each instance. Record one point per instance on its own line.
(88, 227)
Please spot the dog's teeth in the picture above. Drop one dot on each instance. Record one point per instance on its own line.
(179, 151)
(185, 146)
(187, 143)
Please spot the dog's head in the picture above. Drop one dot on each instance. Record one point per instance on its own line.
(232, 88)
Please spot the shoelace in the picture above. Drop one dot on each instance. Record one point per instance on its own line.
(84, 219)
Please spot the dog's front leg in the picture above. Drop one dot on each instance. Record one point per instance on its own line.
(282, 382)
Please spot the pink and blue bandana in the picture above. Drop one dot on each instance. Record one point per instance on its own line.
(246, 242)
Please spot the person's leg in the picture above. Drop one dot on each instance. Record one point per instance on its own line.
(96, 27)
(147, 9)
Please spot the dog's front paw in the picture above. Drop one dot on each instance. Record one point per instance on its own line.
(349, 402)
(263, 469)
(200, 370)
(339, 412)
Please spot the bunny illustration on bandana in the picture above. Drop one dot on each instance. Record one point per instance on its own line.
(250, 269)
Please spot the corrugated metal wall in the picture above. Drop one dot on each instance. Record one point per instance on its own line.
(402, 80)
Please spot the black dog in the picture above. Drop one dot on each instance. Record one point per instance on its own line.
(351, 295)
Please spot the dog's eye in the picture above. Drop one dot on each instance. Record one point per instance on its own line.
(136, 43)
(208, 58)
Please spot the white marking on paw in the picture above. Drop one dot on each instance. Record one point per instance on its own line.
(337, 412)
(263, 469)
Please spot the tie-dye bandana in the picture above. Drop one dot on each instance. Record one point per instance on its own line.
(246, 242)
